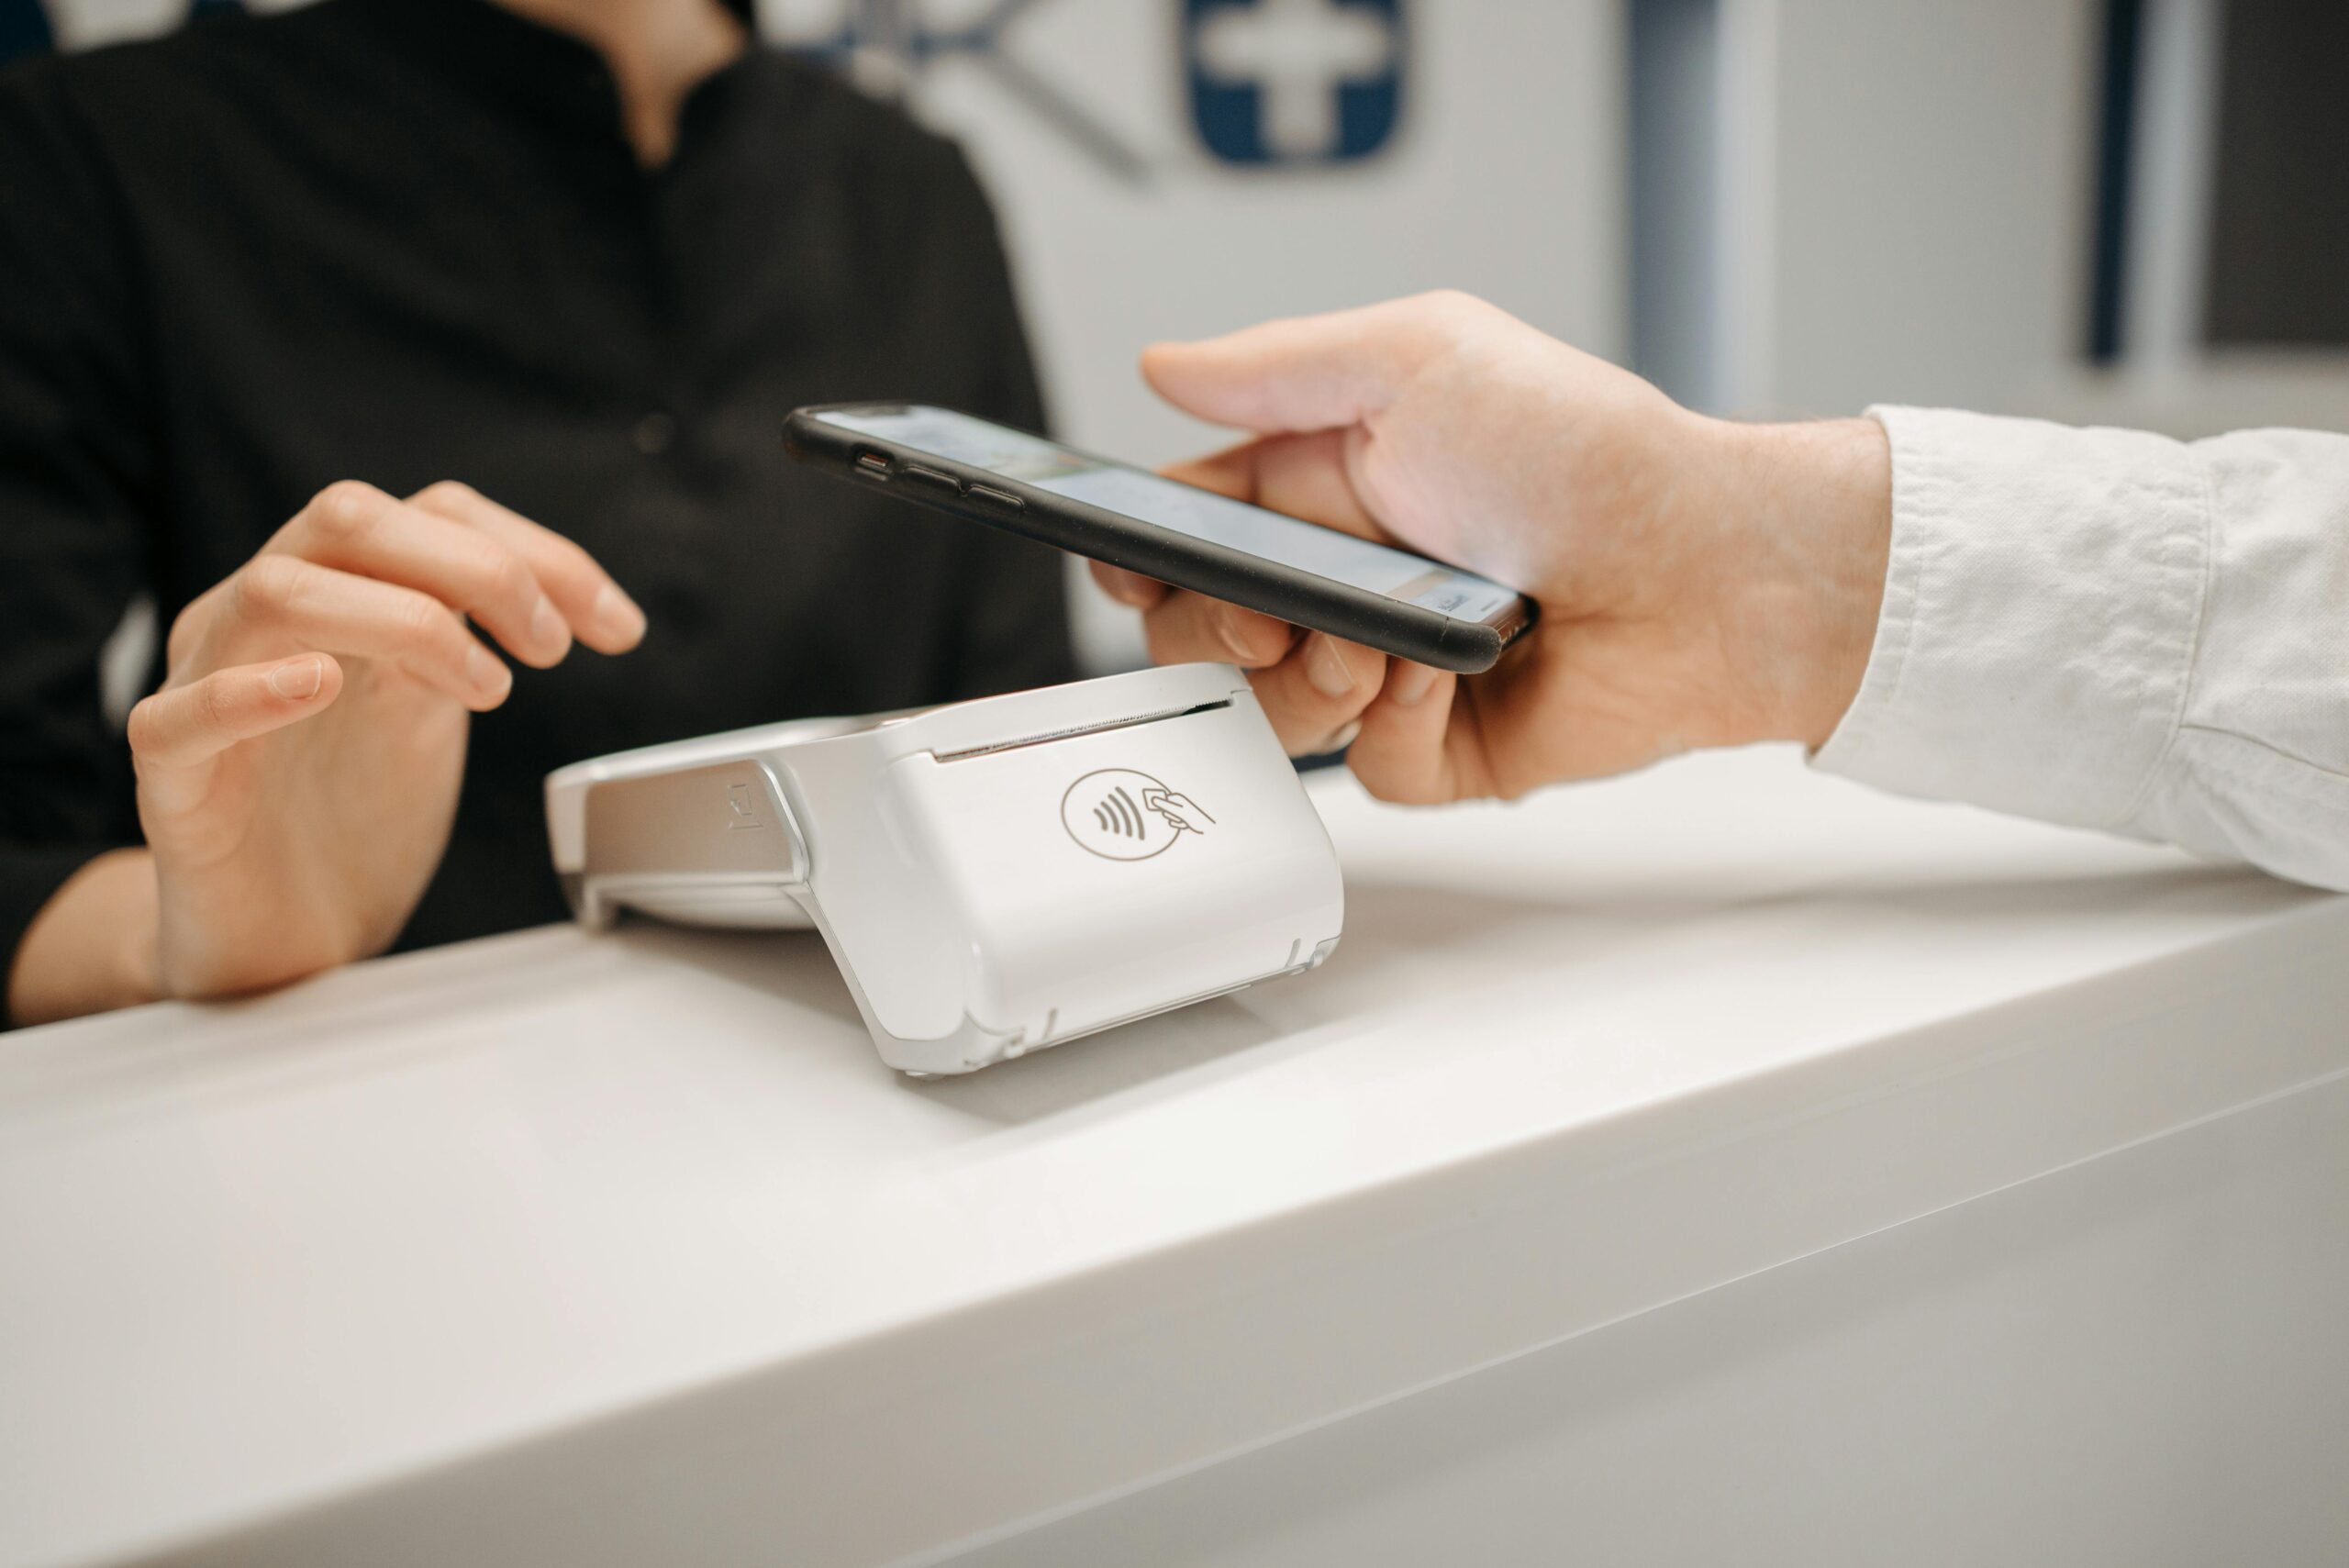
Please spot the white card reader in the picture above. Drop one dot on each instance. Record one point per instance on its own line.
(993, 877)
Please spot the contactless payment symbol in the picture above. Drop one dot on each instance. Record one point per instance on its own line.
(1122, 815)
(1294, 80)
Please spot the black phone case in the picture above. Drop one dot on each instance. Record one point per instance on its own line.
(1300, 597)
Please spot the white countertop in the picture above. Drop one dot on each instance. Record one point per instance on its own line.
(628, 1247)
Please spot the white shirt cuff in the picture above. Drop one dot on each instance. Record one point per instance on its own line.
(2040, 616)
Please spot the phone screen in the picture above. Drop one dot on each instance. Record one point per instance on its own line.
(1182, 509)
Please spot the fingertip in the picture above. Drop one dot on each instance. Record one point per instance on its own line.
(1231, 472)
(548, 638)
(1157, 356)
(303, 679)
(1400, 754)
(615, 622)
(488, 680)
(1251, 639)
(1173, 371)
(1408, 684)
(1129, 588)
(348, 501)
(1187, 628)
(1417, 700)
(1341, 669)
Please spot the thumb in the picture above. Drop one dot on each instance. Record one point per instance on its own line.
(1310, 373)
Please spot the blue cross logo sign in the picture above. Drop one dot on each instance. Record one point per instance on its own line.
(1294, 80)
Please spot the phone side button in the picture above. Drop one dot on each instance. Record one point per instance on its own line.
(1001, 500)
(932, 478)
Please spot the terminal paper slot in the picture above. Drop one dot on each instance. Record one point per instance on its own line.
(1107, 724)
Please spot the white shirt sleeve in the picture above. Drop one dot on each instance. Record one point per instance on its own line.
(2117, 630)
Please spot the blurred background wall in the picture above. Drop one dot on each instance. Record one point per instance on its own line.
(2134, 211)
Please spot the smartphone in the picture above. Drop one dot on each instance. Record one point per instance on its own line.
(1372, 594)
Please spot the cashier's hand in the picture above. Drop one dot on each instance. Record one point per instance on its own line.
(1701, 584)
(298, 771)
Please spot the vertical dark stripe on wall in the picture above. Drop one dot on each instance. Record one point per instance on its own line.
(2124, 26)
(24, 30)
(1675, 85)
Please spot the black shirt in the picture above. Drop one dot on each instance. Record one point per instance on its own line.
(403, 241)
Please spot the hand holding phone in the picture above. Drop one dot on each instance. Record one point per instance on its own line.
(1702, 583)
(1348, 585)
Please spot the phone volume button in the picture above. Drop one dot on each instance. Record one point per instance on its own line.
(932, 478)
(1002, 500)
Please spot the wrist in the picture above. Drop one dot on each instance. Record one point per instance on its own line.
(91, 947)
(1806, 534)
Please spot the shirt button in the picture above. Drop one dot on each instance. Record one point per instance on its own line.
(655, 434)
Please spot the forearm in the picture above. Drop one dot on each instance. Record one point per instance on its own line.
(2116, 630)
(92, 946)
